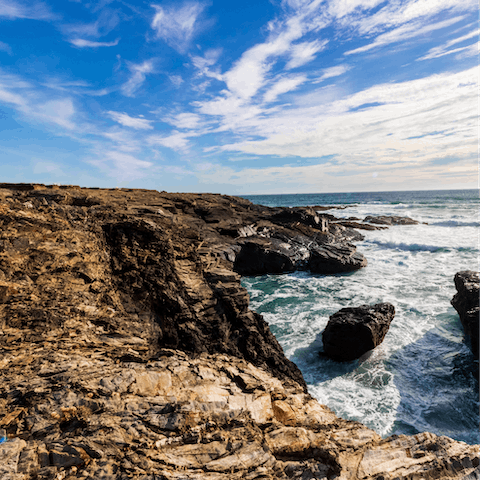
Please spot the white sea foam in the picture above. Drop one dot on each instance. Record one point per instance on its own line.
(421, 377)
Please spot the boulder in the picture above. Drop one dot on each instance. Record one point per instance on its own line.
(328, 259)
(465, 303)
(353, 331)
(390, 220)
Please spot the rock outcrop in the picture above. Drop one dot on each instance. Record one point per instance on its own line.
(465, 303)
(353, 331)
(390, 220)
(128, 351)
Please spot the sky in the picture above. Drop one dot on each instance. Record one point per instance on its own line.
(240, 97)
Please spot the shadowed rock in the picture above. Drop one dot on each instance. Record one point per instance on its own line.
(465, 303)
(329, 259)
(353, 331)
(390, 220)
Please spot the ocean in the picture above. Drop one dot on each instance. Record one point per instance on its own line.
(423, 376)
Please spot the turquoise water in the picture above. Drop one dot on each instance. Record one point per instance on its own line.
(423, 376)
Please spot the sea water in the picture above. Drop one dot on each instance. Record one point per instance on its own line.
(423, 377)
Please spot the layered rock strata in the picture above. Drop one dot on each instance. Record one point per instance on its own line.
(353, 331)
(465, 303)
(128, 351)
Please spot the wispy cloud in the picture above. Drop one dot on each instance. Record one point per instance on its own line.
(137, 123)
(177, 141)
(139, 73)
(444, 49)
(177, 25)
(370, 127)
(105, 23)
(81, 43)
(302, 53)
(184, 120)
(333, 72)
(403, 33)
(283, 85)
(12, 9)
(204, 63)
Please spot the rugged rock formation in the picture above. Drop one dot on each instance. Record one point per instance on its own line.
(128, 352)
(353, 331)
(465, 303)
(390, 220)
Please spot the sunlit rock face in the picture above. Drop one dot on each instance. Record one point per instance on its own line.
(129, 351)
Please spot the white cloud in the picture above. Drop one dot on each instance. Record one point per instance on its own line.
(414, 122)
(81, 43)
(132, 122)
(333, 72)
(176, 80)
(248, 74)
(403, 33)
(177, 141)
(59, 112)
(283, 86)
(184, 120)
(442, 50)
(398, 13)
(32, 10)
(341, 8)
(204, 63)
(302, 53)
(105, 23)
(139, 74)
(177, 25)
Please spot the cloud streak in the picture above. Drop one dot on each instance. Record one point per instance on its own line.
(177, 25)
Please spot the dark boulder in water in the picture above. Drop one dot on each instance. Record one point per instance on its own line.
(465, 303)
(390, 220)
(353, 331)
(328, 259)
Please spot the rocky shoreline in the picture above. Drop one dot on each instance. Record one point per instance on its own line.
(129, 350)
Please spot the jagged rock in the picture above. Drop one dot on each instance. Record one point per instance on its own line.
(128, 350)
(465, 303)
(353, 331)
(390, 220)
(329, 259)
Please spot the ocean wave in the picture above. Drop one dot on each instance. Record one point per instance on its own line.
(455, 223)
(411, 247)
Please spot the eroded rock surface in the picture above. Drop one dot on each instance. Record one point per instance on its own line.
(353, 331)
(465, 303)
(128, 351)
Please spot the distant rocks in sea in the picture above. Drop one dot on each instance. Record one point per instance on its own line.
(465, 303)
(390, 220)
(353, 331)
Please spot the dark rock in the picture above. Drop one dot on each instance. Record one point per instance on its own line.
(390, 220)
(465, 303)
(259, 256)
(328, 259)
(353, 331)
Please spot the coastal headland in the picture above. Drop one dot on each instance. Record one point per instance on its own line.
(128, 349)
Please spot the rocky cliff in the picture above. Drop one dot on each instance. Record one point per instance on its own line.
(128, 349)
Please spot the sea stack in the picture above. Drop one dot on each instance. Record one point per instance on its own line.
(353, 331)
(465, 303)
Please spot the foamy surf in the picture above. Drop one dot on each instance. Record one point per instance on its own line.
(422, 376)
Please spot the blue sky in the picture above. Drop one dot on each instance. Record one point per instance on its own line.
(238, 97)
